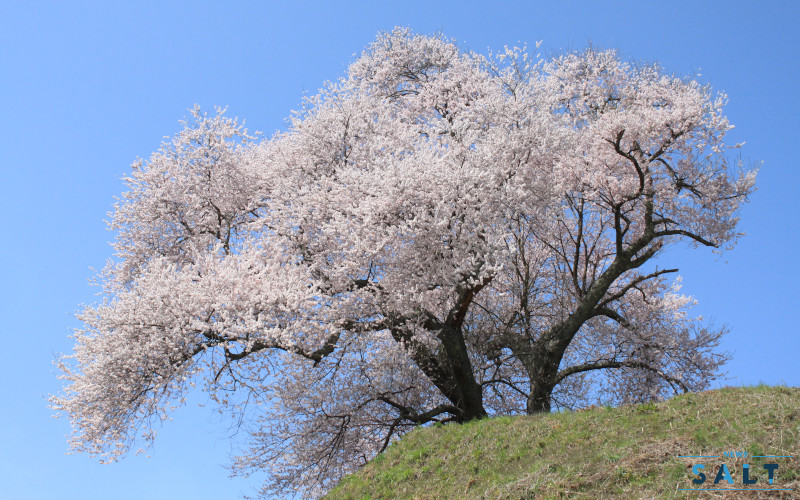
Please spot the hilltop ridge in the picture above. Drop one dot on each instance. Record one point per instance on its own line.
(631, 451)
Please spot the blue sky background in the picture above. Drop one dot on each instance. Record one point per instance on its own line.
(86, 87)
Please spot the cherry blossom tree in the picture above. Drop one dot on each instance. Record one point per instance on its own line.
(437, 237)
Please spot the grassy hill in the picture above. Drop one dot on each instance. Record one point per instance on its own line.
(626, 452)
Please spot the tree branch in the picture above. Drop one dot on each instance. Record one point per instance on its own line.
(691, 235)
(599, 365)
(632, 284)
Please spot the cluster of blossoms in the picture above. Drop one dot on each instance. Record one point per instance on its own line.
(438, 236)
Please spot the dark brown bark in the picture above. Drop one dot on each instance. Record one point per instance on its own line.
(466, 393)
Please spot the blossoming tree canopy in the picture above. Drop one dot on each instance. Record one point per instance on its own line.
(438, 236)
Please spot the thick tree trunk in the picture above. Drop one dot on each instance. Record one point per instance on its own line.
(539, 398)
(471, 404)
(467, 393)
(449, 368)
(542, 367)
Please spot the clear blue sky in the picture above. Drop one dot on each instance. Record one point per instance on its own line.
(86, 87)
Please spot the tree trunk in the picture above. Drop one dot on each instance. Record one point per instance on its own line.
(542, 358)
(539, 398)
(542, 369)
(449, 368)
(467, 393)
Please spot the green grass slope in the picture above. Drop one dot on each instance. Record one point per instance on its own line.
(626, 452)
